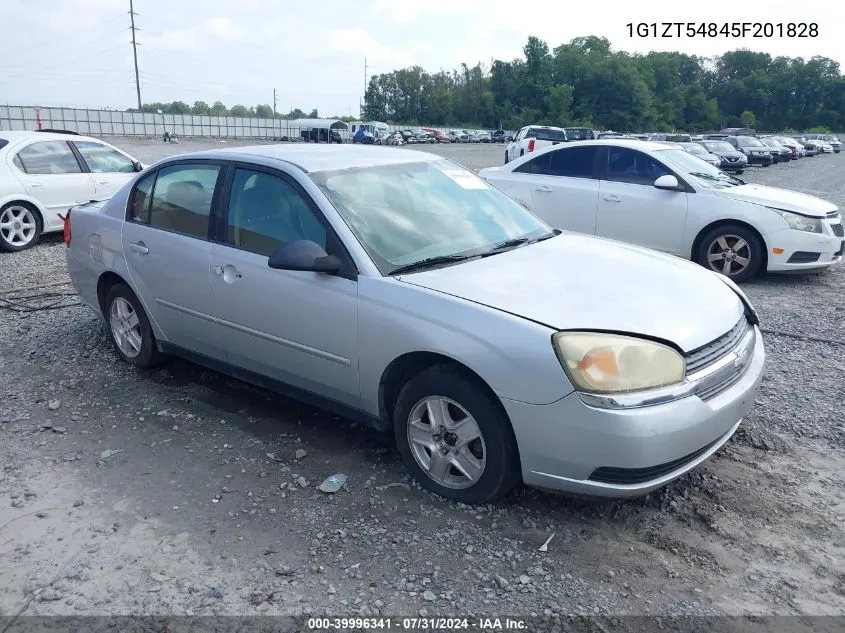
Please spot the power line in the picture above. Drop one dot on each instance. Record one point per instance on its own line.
(135, 53)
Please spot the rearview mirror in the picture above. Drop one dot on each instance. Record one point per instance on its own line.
(305, 255)
(138, 165)
(667, 182)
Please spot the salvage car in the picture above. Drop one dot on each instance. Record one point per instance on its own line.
(656, 196)
(43, 174)
(532, 138)
(830, 139)
(400, 289)
(780, 152)
(754, 150)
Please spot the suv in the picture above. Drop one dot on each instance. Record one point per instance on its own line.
(497, 136)
(754, 150)
(534, 137)
(830, 139)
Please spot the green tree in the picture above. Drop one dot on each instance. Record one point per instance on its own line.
(748, 119)
(239, 111)
(218, 109)
(264, 111)
(200, 107)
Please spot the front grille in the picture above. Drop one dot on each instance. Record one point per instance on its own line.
(708, 354)
(838, 230)
(612, 475)
(803, 257)
(841, 250)
(832, 214)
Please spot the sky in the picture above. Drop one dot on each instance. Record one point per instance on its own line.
(78, 52)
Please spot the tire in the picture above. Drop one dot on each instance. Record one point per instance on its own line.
(740, 172)
(115, 312)
(20, 227)
(753, 250)
(495, 446)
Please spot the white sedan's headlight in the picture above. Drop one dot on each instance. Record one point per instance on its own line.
(612, 363)
(800, 222)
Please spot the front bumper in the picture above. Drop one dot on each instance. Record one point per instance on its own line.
(569, 446)
(800, 249)
(733, 166)
(760, 160)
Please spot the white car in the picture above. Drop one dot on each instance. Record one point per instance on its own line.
(666, 199)
(533, 138)
(43, 174)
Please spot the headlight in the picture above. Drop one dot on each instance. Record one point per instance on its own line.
(612, 363)
(800, 222)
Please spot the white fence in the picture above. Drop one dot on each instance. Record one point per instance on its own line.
(119, 123)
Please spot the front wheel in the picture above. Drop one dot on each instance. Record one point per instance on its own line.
(129, 327)
(20, 227)
(454, 436)
(731, 250)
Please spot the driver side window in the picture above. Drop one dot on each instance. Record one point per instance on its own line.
(633, 167)
(266, 211)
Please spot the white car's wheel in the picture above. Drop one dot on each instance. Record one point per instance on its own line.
(20, 227)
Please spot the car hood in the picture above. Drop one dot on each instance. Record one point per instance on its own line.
(728, 154)
(779, 199)
(575, 281)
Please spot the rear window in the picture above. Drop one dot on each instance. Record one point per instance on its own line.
(679, 138)
(546, 134)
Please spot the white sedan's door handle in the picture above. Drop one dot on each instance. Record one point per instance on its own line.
(544, 189)
(36, 185)
(140, 248)
(613, 198)
(103, 182)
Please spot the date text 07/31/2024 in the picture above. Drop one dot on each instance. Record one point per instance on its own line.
(723, 29)
(416, 624)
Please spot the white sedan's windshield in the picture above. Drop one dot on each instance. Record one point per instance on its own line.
(703, 172)
(719, 146)
(409, 212)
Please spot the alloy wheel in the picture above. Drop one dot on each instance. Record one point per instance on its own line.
(446, 442)
(17, 225)
(729, 255)
(125, 327)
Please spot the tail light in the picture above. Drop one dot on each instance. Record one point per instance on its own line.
(66, 230)
(531, 145)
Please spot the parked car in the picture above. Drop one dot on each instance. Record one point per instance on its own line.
(439, 137)
(497, 136)
(364, 136)
(44, 174)
(484, 137)
(458, 137)
(394, 138)
(663, 198)
(409, 136)
(754, 150)
(830, 139)
(797, 148)
(321, 135)
(733, 160)
(506, 350)
(532, 138)
(579, 133)
(780, 153)
(738, 131)
(674, 138)
(820, 146)
(810, 148)
(696, 149)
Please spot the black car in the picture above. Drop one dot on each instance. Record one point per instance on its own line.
(754, 150)
(780, 153)
(732, 159)
(579, 133)
(321, 135)
(738, 131)
(497, 136)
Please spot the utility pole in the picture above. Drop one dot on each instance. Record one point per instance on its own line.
(364, 96)
(135, 53)
(274, 103)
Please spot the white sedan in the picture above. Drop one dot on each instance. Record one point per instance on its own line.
(664, 198)
(43, 174)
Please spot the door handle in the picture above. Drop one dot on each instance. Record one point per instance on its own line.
(140, 248)
(544, 189)
(36, 185)
(613, 198)
(103, 182)
(229, 273)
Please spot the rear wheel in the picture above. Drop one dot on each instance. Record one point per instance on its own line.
(454, 436)
(20, 227)
(129, 327)
(731, 250)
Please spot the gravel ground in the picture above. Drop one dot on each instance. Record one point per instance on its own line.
(181, 491)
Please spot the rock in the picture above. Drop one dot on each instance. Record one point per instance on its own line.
(41, 515)
(502, 582)
(301, 481)
(50, 595)
(108, 453)
(300, 453)
(53, 405)
(78, 503)
(331, 589)
(158, 577)
(429, 596)
(59, 429)
(529, 524)
(524, 579)
(214, 593)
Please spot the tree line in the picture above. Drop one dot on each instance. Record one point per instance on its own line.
(587, 83)
(263, 111)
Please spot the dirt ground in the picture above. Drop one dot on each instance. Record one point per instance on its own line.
(179, 491)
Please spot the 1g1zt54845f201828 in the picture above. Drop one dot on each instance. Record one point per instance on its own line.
(723, 29)
(400, 289)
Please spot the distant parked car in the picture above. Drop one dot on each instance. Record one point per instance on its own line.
(754, 150)
(532, 138)
(458, 137)
(44, 174)
(797, 148)
(780, 153)
(484, 137)
(579, 133)
(674, 138)
(394, 138)
(497, 136)
(830, 139)
(663, 198)
(809, 146)
(733, 160)
(738, 131)
(696, 149)
(506, 352)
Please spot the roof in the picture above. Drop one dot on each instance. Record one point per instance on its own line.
(334, 124)
(18, 135)
(654, 146)
(316, 157)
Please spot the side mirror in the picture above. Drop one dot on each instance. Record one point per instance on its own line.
(667, 182)
(139, 166)
(305, 255)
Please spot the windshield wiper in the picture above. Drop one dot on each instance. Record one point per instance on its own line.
(518, 241)
(429, 262)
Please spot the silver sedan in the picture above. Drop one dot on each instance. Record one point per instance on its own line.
(398, 288)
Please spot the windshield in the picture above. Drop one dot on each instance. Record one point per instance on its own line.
(747, 141)
(719, 146)
(771, 142)
(546, 134)
(695, 148)
(703, 172)
(408, 212)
